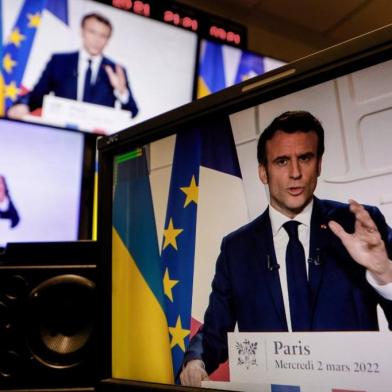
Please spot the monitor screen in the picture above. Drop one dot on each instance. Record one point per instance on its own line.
(193, 177)
(139, 67)
(42, 184)
(222, 66)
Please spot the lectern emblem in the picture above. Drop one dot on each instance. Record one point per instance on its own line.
(246, 352)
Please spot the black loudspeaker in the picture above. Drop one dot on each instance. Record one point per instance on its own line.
(48, 312)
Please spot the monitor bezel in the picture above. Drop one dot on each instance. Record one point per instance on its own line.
(350, 56)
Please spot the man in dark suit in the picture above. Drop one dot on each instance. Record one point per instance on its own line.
(85, 75)
(7, 208)
(262, 281)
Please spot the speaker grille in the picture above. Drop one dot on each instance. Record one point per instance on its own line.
(59, 320)
(48, 312)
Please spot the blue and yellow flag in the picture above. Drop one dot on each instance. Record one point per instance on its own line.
(211, 70)
(140, 341)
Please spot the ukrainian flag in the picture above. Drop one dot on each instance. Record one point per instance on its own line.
(140, 342)
(211, 69)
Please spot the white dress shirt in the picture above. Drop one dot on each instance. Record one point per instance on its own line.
(281, 239)
(84, 57)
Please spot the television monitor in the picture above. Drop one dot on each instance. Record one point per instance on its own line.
(174, 186)
(159, 61)
(222, 66)
(47, 174)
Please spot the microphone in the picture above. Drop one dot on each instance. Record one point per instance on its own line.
(272, 266)
(316, 261)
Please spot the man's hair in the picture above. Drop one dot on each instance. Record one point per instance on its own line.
(291, 122)
(99, 18)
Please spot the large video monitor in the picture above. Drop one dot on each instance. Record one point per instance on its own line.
(42, 59)
(173, 187)
(46, 183)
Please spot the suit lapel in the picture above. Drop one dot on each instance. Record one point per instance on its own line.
(101, 80)
(320, 241)
(270, 268)
(73, 87)
(320, 238)
(101, 75)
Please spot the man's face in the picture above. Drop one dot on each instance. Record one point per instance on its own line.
(291, 171)
(95, 36)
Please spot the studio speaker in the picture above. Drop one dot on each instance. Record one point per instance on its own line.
(48, 312)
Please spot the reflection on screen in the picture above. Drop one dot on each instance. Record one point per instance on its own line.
(42, 167)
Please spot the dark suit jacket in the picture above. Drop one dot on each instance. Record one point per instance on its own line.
(10, 214)
(60, 77)
(246, 287)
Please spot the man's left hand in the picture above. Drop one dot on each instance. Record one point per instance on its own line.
(117, 78)
(365, 245)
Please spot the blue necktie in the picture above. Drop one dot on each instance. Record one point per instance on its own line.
(87, 93)
(297, 281)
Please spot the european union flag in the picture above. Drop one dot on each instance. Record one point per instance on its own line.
(209, 146)
(250, 65)
(178, 249)
(17, 50)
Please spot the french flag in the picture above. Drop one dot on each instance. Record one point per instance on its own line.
(206, 201)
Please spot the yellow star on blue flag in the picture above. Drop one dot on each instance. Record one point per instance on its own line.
(16, 52)
(178, 334)
(171, 234)
(168, 285)
(191, 191)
